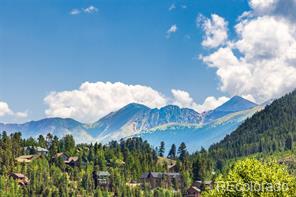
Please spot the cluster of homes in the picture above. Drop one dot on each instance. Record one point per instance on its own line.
(31, 153)
(173, 179)
(151, 180)
(154, 180)
(101, 178)
(36, 152)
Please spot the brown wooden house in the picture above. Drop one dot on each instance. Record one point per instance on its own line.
(20, 178)
(152, 179)
(61, 155)
(71, 161)
(160, 179)
(193, 192)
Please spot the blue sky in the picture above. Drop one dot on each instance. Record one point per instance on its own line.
(43, 48)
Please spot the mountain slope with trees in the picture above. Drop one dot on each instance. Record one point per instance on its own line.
(50, 175)
(270, 130)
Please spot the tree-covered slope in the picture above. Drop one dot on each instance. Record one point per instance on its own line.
(272, 129)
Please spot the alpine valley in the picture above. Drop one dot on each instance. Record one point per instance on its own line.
(170, 124)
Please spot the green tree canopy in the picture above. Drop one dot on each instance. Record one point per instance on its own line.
(250, 177)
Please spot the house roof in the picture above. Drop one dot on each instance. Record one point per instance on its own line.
(103, 173)
(194, 188)
(40, 149)
(174, 174)
(18, 175)
(36, 148)
(71, 159)
(156, 174)
(208, 182)
(20, 178)
(144, 175)
(26, 158)
(59, 155)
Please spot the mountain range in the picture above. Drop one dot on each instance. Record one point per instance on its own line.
(171, 124)
(233, 105)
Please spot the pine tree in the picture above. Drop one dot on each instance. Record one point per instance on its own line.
(161, 149)
(182, 151)
(172, 153)
(289, 143)
(41, 141)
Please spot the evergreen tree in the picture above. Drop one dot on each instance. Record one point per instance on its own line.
(41, 141)
(161, 149)
(172, 152)
(182, 151)
(69, 144)
(289, 143)
(49, 138)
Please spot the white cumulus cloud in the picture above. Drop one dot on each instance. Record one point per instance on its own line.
(6, 110)
(215, 29)
(94, 100)
(263, 6)
(279, 8)
(183, 99)
(261, 61)
(21, 114)
(211, 103)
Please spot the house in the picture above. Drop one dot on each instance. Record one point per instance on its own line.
(198, 184)
(26, 158)
(35, 150)
(173, 179)
(101, 178)
(41, 151)
(193, 192)
(203, 185)
(71, 161)
(63, 156)
(159, 179)
(152, 179)
(20, 178)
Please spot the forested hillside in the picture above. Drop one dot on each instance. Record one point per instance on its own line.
(272, 129)
(68, 169)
